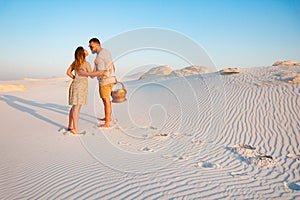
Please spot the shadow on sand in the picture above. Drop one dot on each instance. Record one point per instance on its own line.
(15, 102)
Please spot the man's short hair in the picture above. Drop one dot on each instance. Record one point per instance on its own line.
(95, 40)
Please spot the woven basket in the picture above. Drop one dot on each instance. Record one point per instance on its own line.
(119, 95)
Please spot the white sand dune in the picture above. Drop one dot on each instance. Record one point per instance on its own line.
(195, 137)
(157, 71)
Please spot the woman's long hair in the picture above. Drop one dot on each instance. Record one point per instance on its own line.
(79, 58)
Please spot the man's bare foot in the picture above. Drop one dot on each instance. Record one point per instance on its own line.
(106, 125)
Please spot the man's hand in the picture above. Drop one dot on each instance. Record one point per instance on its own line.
(82, 72)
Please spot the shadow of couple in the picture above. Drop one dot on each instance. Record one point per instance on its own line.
(24, 105)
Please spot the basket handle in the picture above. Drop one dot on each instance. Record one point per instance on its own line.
(123, 86)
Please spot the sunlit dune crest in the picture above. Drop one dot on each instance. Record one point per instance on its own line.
(228, 71)
(168, 72)
(192, 70)
(295, 80)
(9, 88)
(286, 63)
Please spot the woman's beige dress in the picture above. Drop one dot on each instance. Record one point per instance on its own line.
(78, 91)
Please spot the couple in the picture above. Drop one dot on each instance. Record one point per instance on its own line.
(104, 69)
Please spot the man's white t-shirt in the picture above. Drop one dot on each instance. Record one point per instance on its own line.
(104, 62)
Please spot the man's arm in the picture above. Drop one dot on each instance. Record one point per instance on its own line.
(92, 74)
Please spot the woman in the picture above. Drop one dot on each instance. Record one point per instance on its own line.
(78, 91)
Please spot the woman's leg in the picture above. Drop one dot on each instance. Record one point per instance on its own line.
(76, 110)
(70, 125)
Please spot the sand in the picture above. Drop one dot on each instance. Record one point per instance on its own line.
(209, 136)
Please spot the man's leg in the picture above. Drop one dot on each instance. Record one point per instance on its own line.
(105, 93)
(107, 111)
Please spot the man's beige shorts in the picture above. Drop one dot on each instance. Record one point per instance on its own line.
(105, 90)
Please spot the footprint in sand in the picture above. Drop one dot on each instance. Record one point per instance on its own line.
(208, 165)
(184, 157)
(296, 156)
(293, 185)
(196, 141)
(177, 158)
(251, 156)
(69, 133)
(122, 143)
(238, 173)
(62, 130)
(244, 146)
(76, 135)
(264, 161)
(177, 134)
(152, 127)
(160, 136)
(146, 149)
(244, 150)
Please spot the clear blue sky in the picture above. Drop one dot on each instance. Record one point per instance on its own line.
(38, 38)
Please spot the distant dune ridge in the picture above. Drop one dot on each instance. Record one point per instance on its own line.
(168, 72)
(165, 71)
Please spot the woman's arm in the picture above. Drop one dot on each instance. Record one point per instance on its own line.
(69, 72)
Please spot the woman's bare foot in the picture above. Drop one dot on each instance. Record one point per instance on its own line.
(70, 129)
(74, 131)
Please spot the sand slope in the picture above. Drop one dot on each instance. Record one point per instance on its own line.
(202, 136)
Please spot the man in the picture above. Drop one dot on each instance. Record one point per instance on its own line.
(105, 71)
